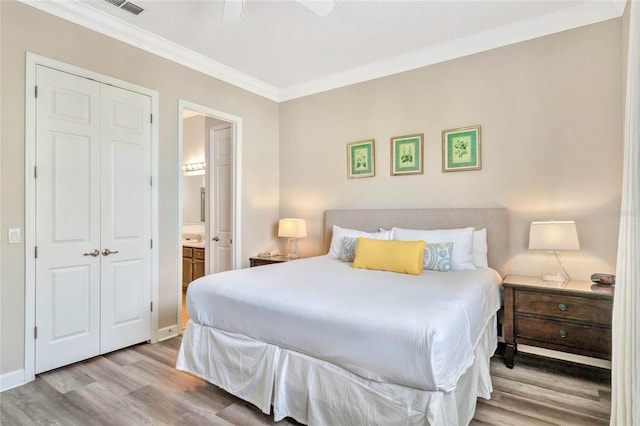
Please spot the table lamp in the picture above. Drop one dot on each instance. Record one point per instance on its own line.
(292, 229)
(553, 236)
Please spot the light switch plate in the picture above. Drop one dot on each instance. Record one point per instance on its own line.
(13, 236)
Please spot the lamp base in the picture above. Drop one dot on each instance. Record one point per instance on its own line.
(293, 249)
(558, 280)
(553, 271)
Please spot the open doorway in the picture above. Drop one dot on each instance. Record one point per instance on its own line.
(209, 144)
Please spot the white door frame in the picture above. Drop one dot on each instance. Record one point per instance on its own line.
(236, 179)
(32, 60)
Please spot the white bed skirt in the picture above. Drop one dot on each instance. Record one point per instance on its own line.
(316, 392)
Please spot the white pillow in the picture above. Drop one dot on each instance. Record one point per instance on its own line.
(337, 240)
(480, 248)
(462, 238)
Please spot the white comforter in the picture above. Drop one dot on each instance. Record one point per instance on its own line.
(416, 331)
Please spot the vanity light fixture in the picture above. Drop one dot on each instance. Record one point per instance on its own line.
(194, 168)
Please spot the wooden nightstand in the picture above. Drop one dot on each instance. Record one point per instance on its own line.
(571, 318)
(259, 261)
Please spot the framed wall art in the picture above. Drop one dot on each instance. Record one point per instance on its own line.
(361, 159)
(461, 149)
(407, 155)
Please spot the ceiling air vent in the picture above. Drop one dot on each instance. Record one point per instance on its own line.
(125, 5)
(116, 3)
(132, 8)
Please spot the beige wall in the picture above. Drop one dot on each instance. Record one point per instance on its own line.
(26, 29)
(551, 117)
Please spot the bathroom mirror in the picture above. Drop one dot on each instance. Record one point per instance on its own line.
(193, 199)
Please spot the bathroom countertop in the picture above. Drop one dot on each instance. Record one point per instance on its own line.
(193, 243)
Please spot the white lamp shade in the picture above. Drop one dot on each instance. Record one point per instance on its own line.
(553, 236)
(292, 228)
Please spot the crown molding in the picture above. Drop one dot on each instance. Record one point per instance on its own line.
(565, 19)
(77, 12)
(558, 21)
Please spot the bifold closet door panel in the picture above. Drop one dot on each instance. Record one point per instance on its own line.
(126, 218)
(67, 219)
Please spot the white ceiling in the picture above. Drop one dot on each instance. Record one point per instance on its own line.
(281, 50)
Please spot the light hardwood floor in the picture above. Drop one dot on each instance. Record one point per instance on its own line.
(140, 386)
(185, 315)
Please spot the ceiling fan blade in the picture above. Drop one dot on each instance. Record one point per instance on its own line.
(232, 11)
(319, 7)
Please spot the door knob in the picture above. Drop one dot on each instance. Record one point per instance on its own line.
(107, 252)
(216, 239)
(94, 253)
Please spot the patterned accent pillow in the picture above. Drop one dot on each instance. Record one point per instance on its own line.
(349, 249)
(437, 257)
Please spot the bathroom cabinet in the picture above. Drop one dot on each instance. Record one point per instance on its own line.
(192, 264)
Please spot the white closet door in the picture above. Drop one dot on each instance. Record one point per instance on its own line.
(93, 218)
(67, 219)
(126, 218)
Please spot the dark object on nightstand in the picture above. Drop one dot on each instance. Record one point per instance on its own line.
(571, 318)
(603, 279)
(259, 261)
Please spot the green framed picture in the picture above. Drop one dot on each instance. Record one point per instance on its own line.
(407, 154)
(361, 159)
(461, 149)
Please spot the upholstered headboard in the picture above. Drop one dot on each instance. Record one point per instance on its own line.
(496, 221)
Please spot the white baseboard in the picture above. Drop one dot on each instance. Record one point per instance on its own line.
(11, 380)
(167, 333)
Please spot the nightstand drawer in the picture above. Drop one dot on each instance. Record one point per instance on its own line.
(580, 338)
(591, 311)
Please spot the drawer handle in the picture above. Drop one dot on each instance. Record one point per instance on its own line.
(563, 334)
(562, 307)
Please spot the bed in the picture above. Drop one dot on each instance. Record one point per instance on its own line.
(325, 343)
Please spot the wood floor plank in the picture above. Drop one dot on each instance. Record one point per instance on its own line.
(49, 408)
(544, 396)
(140, 386)
(107, 407)
(243, 413)
(521, 373)
(172, 381)
(67, 379)
(111, 374)
(125, 356)
(523, 405)
(495, 415)
(33, 391)
(165, 352)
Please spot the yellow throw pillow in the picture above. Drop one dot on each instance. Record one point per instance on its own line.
(390, 255)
